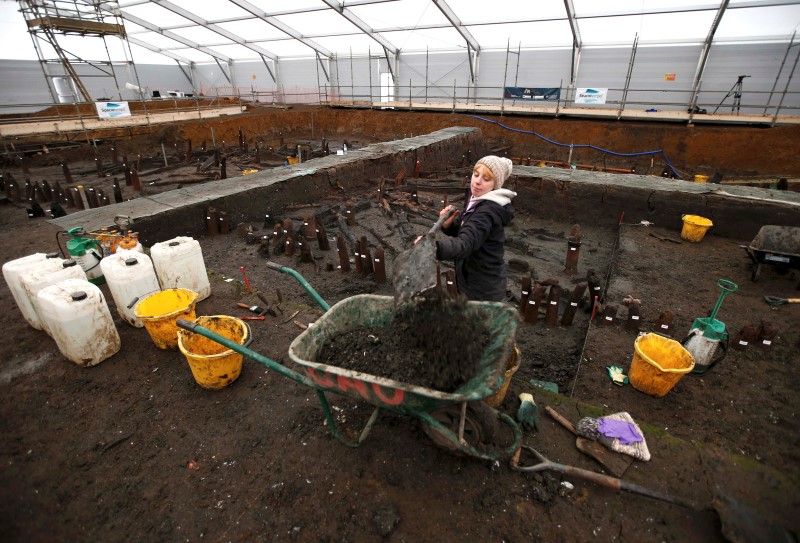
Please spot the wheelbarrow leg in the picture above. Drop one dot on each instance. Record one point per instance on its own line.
(335, 429)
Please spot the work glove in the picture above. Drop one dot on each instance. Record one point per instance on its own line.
(528, 412)
(617, 377)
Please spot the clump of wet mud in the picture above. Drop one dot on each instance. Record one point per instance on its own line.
(434, 342)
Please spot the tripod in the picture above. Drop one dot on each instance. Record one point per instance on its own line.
(736, 92)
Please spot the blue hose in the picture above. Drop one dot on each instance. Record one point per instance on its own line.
(583, 145)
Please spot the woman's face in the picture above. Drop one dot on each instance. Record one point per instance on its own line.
(482, 181)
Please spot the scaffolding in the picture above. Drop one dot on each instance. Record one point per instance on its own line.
(49, 20)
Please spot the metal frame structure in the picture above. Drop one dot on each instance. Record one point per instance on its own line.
(48, 20)
(327, 60)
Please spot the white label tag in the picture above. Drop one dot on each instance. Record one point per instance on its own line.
(634, 317)
(574, 304)
(766, 342)
(609, 318)
(531, 302)
(664, 326)
(525, 293)
(554, 302)
(743, 343)
(572, 249)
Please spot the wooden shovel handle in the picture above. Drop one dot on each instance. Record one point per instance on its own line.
(560, 419)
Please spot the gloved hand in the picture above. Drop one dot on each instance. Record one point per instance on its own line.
(528, 412)
(617, 377)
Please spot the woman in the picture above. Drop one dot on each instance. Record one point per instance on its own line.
(477, 236)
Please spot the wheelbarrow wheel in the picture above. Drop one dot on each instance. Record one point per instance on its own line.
(480, 424)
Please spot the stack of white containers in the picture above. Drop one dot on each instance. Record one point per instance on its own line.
(179, 264)
(130, 275)
(55, 295)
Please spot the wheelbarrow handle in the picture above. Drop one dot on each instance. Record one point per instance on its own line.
(303, 283)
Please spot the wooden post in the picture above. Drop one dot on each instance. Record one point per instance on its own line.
(117, 191)
(366, 255)
(379, 265)
(553, 298)
(664, 322)
(322, 237)
(450, 280)
(534, 302)
(573, 250)
(634, 316)
(224, 227)
(67, 174)
(526, 293)
(746, 337)
(574, 299)
(341, 247)
(609, 313)
(211, 222)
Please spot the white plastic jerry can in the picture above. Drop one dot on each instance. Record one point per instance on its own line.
(130, 275)
(79, 321)
(11, 273)
(52, 271)
(179, 264)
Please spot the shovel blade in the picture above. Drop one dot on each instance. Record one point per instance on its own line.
(414, 270)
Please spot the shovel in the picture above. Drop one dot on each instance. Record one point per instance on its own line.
(415, 268)
(740, 523)
(775, 300)
(613, 461)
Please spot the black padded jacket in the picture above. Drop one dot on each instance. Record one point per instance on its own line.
(476, 245)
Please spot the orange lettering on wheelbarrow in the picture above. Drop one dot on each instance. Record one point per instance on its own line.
(360, 386)
(325, 380)
(397, 399)
(387, 396)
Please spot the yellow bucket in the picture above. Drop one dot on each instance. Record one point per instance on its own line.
(695, 227)
(160, 311)
(511, 369)
(658, 364)
(213, 365)
(701, 179)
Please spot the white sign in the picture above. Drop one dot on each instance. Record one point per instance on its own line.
(111, 110)
(590, 96)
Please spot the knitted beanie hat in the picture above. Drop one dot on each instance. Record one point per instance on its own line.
(500, 168)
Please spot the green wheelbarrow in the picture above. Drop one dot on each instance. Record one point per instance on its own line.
(459, 421)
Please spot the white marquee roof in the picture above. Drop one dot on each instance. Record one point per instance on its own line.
(202, 31)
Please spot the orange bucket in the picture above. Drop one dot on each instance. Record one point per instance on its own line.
(513, 365)
(658, 364)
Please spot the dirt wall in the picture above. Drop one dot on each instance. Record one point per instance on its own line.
(732, 151)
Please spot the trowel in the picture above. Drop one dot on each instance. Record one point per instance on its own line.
(415, 268)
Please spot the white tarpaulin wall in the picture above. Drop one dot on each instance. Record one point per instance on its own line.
(667, 53)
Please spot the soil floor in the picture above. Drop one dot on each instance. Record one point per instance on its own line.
(133, 449)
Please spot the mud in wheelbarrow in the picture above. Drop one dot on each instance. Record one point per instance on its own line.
(775, 245)
(458, 421)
